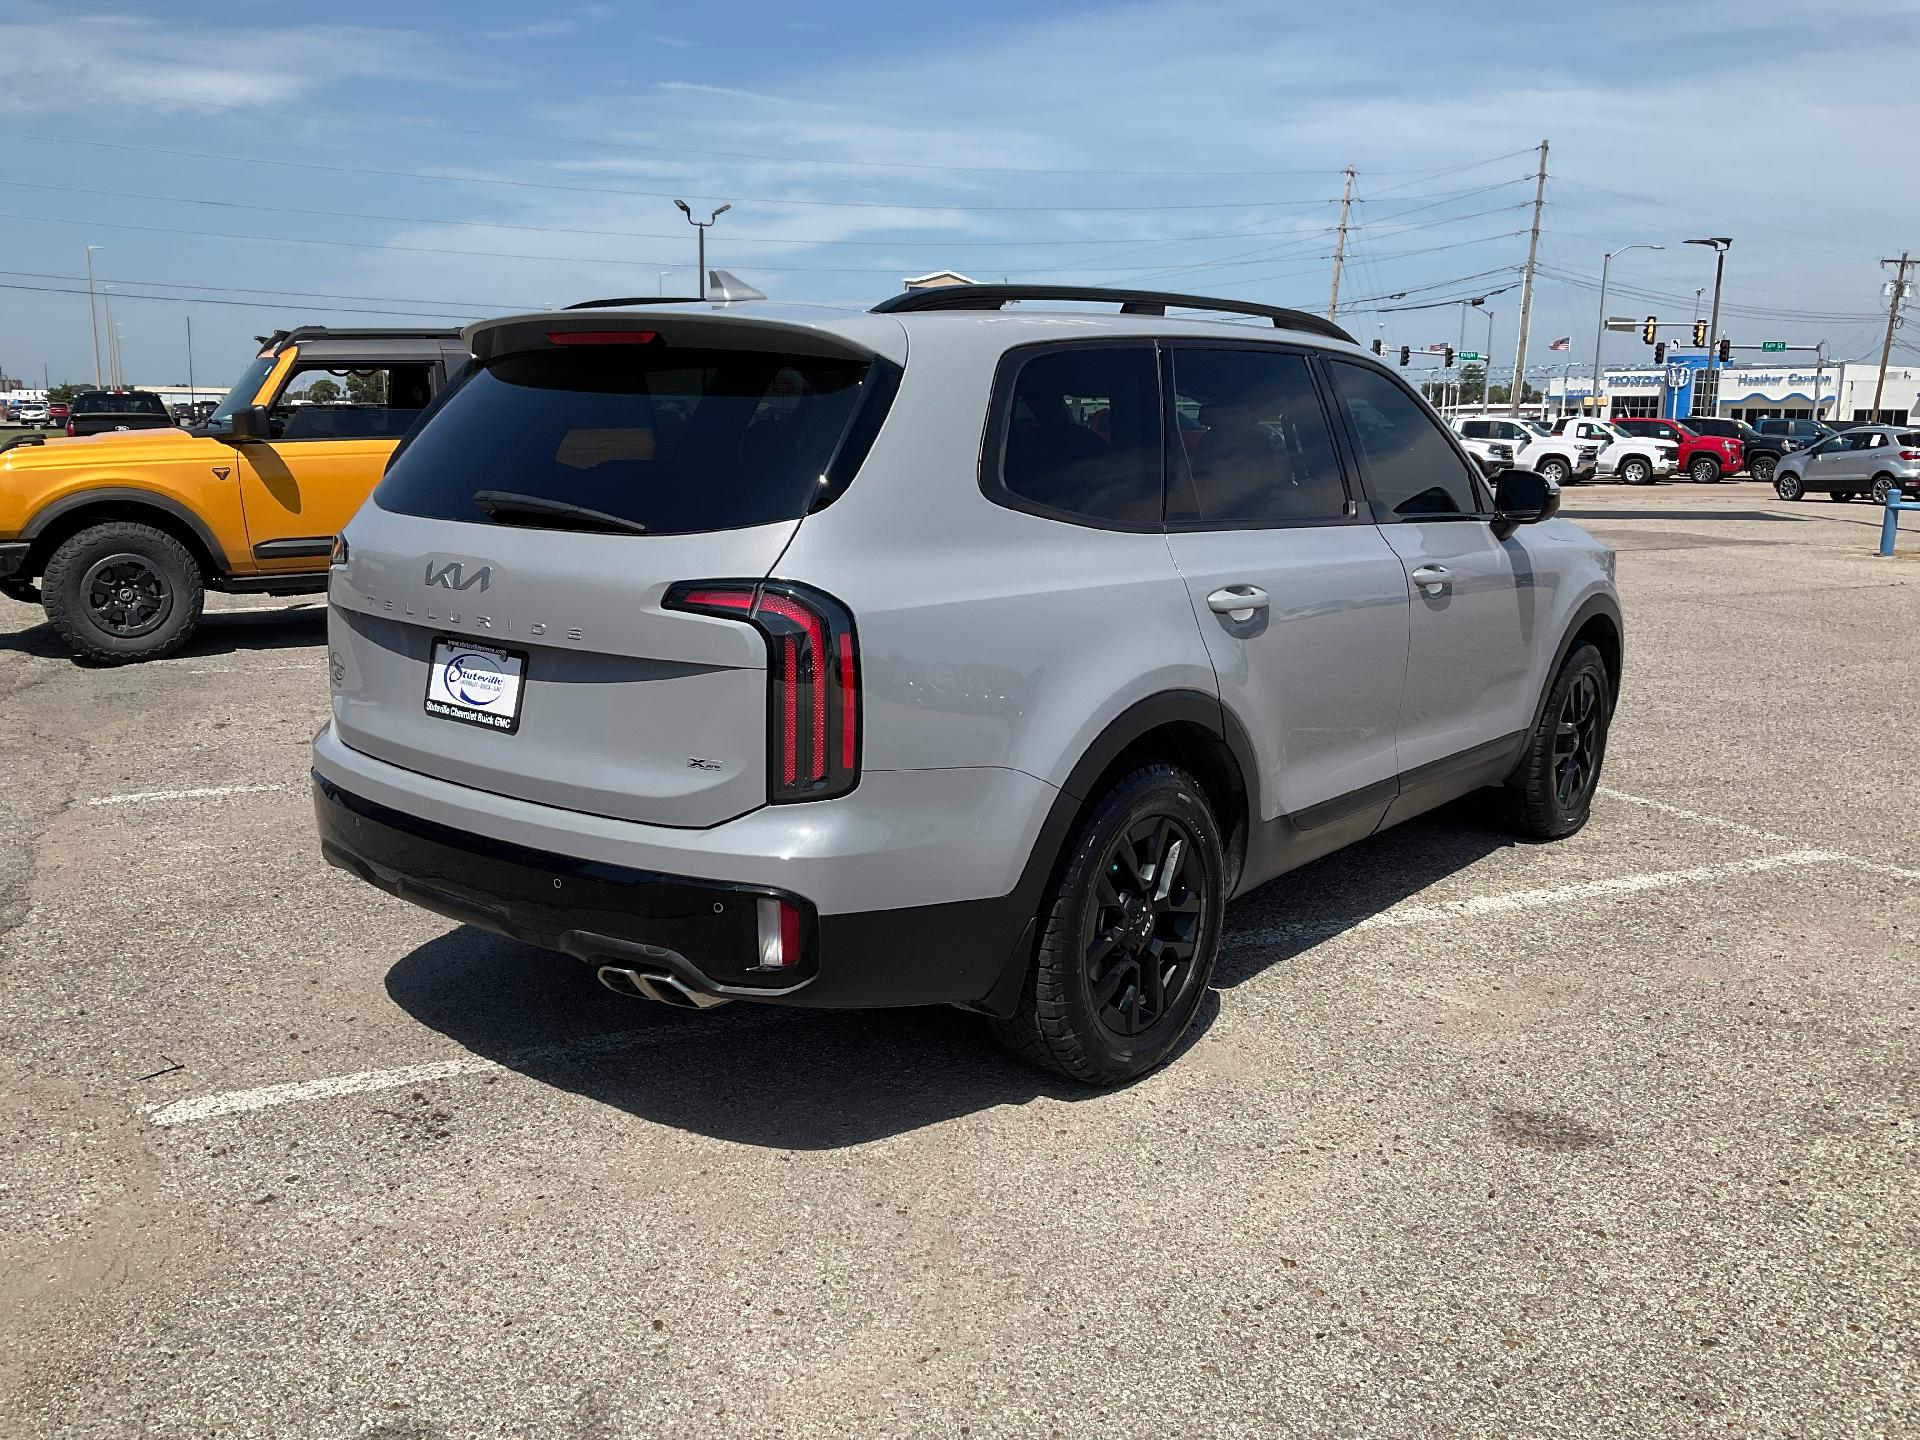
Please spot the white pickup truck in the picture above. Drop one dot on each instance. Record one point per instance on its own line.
(1561, 459)
(1636, 460)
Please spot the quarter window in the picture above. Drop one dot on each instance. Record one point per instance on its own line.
(1254, 444)
(376, 402)
(1412, 470)
(1083, 434)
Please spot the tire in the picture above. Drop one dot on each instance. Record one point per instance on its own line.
(1882, 489)
(1556, 470)
(1840, 496)
(1636, 472)
(1557, 776)
(1761, 467)
(121, 591)
(1703, 470)
(1789, 486)
(1088, 1012)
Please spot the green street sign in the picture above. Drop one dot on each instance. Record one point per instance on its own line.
(1471, 355)
(1773, 344)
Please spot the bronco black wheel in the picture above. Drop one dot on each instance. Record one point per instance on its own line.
(1560, 770)
(122, 591)
(1131, 934)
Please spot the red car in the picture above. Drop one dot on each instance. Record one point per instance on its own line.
(57, 415)
(1704, 458)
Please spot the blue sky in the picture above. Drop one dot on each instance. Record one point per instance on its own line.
(466, 159)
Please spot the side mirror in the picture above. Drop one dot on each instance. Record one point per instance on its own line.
(1523, 497)
(248, 423)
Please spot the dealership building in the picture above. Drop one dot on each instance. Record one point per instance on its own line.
(1687, 385)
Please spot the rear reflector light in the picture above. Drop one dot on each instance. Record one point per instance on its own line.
(779, 934)
(602, 337)
(813, 679)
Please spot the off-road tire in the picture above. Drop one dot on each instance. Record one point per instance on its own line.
(63, 591)
(1543, 810)
(1058, 1024)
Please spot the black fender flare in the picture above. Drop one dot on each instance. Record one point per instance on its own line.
(80, 500)
(1604, 606)
(1194, 707)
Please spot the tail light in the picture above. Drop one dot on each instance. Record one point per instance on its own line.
(70, 430)
(1910, 454)
(813, 679)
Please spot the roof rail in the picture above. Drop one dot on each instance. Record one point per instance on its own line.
(383, 332)
(1131, 302)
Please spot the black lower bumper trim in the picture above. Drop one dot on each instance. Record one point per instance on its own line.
(13, 556)
(704, 932)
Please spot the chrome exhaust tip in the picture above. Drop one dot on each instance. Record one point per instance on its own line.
(661, 988)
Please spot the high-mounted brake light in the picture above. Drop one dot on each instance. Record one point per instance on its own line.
(813, 679)
(602, 337)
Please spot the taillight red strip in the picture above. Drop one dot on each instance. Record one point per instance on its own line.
(790, 709)
(789, 935)
(816, 658)
(847, 703)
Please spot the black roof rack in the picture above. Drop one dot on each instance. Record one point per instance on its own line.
(381, 332)
(1131, 302)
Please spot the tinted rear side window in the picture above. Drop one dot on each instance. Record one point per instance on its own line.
(1082, 434)
(1412, 471)
(679, 440)
(1254, 444)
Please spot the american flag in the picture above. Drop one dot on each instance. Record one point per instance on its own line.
(1565, 342)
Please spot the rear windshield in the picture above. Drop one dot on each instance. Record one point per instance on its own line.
(100, 403)
(676, 439)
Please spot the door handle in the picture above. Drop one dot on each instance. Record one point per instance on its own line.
(1237, 602)
(1433, 578)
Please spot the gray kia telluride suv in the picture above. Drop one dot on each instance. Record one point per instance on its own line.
(943, 653)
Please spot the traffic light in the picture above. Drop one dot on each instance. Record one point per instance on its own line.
(1406, 354)
(1379, 346)
(1448, 362)
(1660, 353)
(1699, 334)
(1726, 351)
(1646, 330)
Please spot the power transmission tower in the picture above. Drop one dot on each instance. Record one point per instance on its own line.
(1894, 298)
(1340, 244)
(1526, 285)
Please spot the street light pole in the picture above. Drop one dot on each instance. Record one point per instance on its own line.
(701, 226)
(1600, 325)
(93, 316)
(1721, 244)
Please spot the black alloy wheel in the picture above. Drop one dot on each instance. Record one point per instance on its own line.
(126, 596)
(1143, 924)
(1761, 468)
(1578, 736)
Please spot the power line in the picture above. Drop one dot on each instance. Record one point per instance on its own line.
(259, 290)
(247, 304)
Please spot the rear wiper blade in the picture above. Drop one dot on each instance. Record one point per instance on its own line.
(502, 503)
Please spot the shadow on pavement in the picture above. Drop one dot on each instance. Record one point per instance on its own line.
(754, 1074)
(814, 1079)
(220, 632)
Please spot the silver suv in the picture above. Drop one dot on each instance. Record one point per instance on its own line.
(1872, 460)
(944, 653)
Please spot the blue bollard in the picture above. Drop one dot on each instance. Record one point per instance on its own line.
(1890, 525)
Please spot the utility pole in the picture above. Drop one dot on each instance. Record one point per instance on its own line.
(93, 317)
(1526, 285)
(1898, 293)
(1340, 244)
(193, 395)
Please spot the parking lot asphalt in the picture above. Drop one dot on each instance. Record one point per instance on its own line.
(1612, 1137)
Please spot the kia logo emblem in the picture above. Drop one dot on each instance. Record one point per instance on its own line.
(454, 576)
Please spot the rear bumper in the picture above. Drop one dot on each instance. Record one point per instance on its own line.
(693, 917)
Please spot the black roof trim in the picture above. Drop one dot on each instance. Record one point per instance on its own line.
(1131, 302)
(622, 301)
(330, 332)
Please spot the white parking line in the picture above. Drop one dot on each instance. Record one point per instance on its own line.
(207, 792)
(266, 1097)
(1399, 916)
(1878, 867)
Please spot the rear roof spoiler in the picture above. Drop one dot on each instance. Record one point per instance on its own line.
(1131, 302)
(514, 334)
